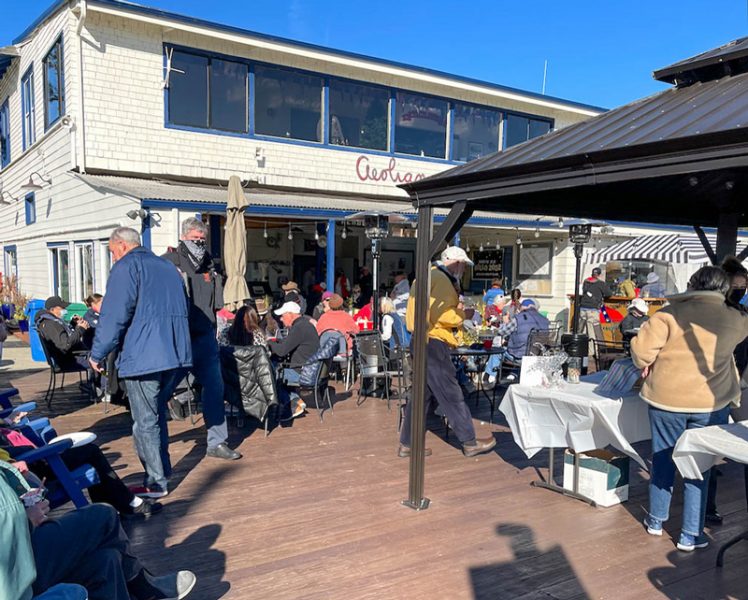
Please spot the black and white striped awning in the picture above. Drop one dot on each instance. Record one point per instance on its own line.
(672, 248)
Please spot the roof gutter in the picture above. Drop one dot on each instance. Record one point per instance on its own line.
(165, 20)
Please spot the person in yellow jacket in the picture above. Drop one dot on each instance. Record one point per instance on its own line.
(445, 316)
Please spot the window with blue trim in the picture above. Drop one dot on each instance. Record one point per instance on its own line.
(28, 112)
(54, 85)
(11, 261)
(420, 125)
(30, 206)
(358, 115)
(475, 131)
(288, 104)
(208, 93)
(4, 134)
(518, 129)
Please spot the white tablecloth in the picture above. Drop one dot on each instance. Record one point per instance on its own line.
(574, 416)
(698, 450)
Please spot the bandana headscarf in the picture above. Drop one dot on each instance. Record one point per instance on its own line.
(196, 251)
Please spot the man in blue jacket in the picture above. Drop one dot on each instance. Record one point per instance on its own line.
(144, 317)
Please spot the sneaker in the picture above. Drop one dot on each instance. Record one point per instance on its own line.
(223, 451)
(154, 491)
(173, 586)
(653, 527)
(146, 510)
(713, 518)
(689, 543)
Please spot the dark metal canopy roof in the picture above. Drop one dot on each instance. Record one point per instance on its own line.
(729, 59)
(673, 157)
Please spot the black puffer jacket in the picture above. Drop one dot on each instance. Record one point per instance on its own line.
(249, 379)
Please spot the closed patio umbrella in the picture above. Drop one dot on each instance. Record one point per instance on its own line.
(235, 291)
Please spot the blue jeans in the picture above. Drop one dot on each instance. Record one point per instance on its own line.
(494, 362)
(287, 394)
(667, 427)
(148, 396)
(206, 367)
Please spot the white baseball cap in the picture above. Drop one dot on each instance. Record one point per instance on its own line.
(288, 307)
(456, 253)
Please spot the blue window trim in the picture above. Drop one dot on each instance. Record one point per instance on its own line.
(61, 76)
(28, 76)
(29, 205)
(6, 249)
(326, 79)
(5, 110)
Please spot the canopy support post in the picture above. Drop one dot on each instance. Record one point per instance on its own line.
(705, 243)
(426, 246)
(727, 235)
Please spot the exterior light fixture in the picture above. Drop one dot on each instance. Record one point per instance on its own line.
(140, 213)
(8, 194)
(265, 231)
(498, 244)
(290, 233)
(480, 248)
(30, 186)
(467, 246)
(537, 232)
(344, 234)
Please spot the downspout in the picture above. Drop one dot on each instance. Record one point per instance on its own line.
(81, 118)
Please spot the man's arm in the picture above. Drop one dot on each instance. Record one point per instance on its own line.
(651, 338)
(287, 345)
(508, 328)
(59, 337)
(117, 311)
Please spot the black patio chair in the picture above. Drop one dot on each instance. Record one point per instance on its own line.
(55, 369)
(373, 364)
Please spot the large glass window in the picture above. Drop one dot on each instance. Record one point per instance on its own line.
(84, 257)
(54, 92)
(288, 104)
(518, 129)
(4, 134)
(188, 90)
(28, 113)
(420, 125)
(475, 131)
(60, 258)
(358, 115)
(30, 206)
(228, 95)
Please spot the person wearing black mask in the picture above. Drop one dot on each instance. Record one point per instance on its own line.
(205, 296)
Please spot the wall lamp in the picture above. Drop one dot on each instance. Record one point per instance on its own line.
(35, 187)
(140, 213)
(2, 196)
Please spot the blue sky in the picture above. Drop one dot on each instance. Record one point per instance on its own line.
(599, 53)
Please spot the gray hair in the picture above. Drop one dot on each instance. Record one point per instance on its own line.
(127, 235)
(193, 224)
(709, 279)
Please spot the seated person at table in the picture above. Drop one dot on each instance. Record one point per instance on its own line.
(246, 329)
(493, 292)
(87, 547)
(517, 331)
(495, 310)
(93, 302)
(291, 293)
(336, 319)
(321, 307)
(267, 322)
(297, 348)
(110, 489)
(63, 339)
(394, 332)
(636, 317)
(365, 313)
(653, 289)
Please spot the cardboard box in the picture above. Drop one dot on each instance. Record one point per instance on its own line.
(603, 476)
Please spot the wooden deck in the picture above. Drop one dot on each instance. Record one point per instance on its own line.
(314, 512)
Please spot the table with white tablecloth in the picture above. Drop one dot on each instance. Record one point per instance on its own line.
(575, 416)
(698, 450)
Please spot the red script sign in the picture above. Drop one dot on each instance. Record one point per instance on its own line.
(366, 172)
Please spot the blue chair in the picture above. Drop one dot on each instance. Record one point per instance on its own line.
(72, 483)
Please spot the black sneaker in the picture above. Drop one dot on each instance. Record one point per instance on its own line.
(145, 510)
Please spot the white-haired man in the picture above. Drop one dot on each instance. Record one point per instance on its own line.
(445, 316)
(144, 317)
(205, 297)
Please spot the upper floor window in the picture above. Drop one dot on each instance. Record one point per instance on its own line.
(420, 125)
(30, 206)
(28, 112)
(207, 93)
(54, 85)
(358, 115)
(475, 131)
(4, 134)
(518, 129)
(288, 104)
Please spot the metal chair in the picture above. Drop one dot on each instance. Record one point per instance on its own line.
(373, 363)
(605, 351)
(55, 368)
(344, 357)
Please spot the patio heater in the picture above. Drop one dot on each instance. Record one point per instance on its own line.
(579, 235)
(377, 228)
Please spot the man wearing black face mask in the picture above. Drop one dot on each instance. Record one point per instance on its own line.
(205, 295)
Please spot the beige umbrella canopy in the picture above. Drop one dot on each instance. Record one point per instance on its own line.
(235, 292)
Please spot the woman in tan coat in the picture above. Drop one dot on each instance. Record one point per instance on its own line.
(685, 352)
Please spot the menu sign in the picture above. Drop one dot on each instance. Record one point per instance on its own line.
(488, 264)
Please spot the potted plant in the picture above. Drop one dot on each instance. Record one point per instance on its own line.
(8, 294)
(20, 314)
